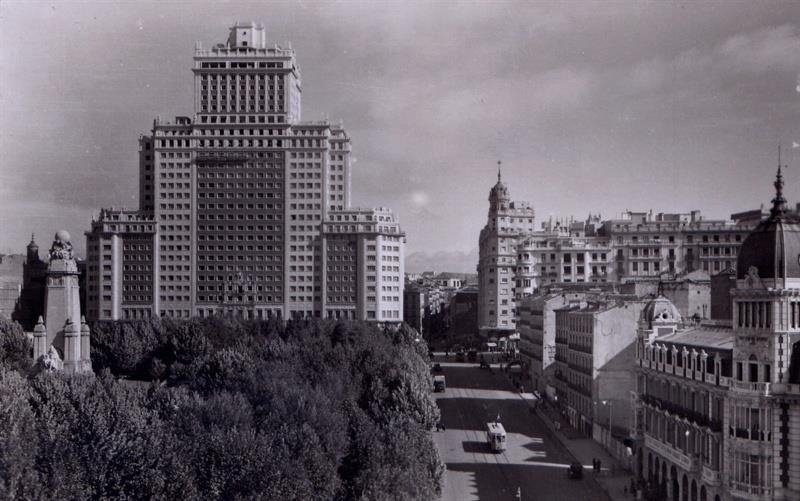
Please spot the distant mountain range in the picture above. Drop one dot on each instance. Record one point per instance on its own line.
(455, 261)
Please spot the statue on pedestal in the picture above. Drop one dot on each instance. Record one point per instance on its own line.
(62, 247)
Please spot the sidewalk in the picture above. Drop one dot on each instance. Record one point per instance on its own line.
(613, 478)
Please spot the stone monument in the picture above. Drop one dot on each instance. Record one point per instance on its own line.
(65, 344)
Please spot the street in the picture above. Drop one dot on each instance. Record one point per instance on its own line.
(535, 462)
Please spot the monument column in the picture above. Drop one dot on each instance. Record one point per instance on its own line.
(62, 299)
(62, 339)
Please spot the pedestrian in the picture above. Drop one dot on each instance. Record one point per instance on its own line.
(594, 464)
(599, 466)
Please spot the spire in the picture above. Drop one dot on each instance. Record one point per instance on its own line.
(778, 203)
(498, 170)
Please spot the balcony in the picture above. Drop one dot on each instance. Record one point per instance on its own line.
(677, 456)
(711, 477)
(695, 417)
(580, 389)
(749, 491)
(785, 389)
(580, 347)
(760, 388)
(580, 368)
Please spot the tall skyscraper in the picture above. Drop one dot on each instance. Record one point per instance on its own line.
(239, 193)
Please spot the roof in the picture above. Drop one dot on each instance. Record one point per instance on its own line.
(495, 427)
(718, 338)
(660, 310)
(771, 250)
(696, 276)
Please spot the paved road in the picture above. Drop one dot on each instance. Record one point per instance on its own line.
(534, 461)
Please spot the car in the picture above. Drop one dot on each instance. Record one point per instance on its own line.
(472, 355)
(460, 356)
(439, 383)
(485, 365)
(437, 367)
(575, 471)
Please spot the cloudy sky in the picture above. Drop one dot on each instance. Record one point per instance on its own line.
(592, 107)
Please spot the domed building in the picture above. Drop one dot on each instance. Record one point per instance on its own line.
(660, 311)
(770, 256)
(718, 412)
(764, 402)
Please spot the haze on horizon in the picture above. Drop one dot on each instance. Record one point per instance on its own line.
(592, 106)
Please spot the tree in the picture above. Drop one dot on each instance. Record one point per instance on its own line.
(19, 478)
(16, 350)
(248, 409)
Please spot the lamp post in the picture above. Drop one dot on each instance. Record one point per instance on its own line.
(686, 433)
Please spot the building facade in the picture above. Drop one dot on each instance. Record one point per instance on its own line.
(537, 329)
(594, 362)
(507, 221)
(719, 412)
(364, 252)
(516, 260)
(122, 266)
(238, 194)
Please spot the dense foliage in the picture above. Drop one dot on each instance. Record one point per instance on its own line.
(221, 409)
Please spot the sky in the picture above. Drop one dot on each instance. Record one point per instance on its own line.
(593, 107)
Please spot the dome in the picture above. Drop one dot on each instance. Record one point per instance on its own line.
(772, 250)
(660, 310)
(62, 235)
(499, 190)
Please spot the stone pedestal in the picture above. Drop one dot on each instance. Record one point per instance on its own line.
(62, 300)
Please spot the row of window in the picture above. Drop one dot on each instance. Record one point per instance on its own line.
(241, 118)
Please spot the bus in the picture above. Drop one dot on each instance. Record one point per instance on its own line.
(496, 436)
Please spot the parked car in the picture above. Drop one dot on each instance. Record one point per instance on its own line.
(437, 367)
(575, 471)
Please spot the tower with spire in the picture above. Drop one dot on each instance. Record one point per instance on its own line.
(765, 386)
(31, 299)
(506, 222)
